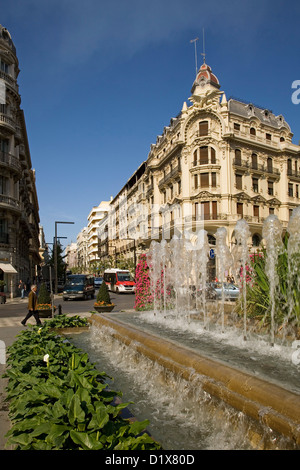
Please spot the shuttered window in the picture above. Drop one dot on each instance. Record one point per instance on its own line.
(204, 180)
(203, 128)
(203, 155)
(239, 208)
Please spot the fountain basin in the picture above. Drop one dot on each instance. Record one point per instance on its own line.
(265, 402)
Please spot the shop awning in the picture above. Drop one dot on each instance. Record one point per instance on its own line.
(8, 268)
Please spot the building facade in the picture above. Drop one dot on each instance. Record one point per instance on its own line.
(95, 216)
(218, 161)
(19, 209)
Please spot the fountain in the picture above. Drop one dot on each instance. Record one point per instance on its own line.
(272, 230)
(241, 258)
(181, 336)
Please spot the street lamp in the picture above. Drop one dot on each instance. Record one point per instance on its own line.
(55, 252)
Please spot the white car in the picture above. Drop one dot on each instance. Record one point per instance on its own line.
(231, 291)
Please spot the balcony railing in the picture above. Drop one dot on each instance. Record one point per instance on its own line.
(10, 201)
(10, 160)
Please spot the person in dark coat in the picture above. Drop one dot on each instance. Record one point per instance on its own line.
(32, 303)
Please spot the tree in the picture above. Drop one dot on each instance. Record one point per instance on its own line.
(103, 294)
(43, 295)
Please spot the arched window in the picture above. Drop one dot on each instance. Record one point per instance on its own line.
(238, 157)
(254, 161)
(203, 155)
(252, 131)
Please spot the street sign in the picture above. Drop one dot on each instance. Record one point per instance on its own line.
(211, 253)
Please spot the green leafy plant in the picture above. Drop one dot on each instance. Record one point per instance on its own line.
(63, 321)
(59, 401)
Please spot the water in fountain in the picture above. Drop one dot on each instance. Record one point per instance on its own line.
(293, 251)
(225, 262)
(179, 274)
(272, 232)
(241, 259)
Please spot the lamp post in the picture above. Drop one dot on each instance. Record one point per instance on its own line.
(55, 252)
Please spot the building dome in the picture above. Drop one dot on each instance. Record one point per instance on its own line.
(205, 77)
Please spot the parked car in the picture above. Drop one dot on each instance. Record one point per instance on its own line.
(231, 291)
(98, 281)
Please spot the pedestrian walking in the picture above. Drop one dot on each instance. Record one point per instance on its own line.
(32, 303)
(22, 288)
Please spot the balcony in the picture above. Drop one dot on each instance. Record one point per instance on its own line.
(10, 161)
(293, 174)
(170, 176)
(9, 203)
(8, 122)
(10, 81)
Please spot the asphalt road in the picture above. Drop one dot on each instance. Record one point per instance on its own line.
(17, 308)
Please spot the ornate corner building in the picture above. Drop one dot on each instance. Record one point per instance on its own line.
(19, 210)
(217, 161)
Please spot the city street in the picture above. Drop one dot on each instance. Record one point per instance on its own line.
(14, 310)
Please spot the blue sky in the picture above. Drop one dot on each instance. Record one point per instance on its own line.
(100, 79)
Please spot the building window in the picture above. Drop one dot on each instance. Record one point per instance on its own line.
(212, 156)
(256, 211)
(4, 67)
(204, 180)
(203, 155)
(269, 165)
(254, 161)
(205, 210)
(195, 157)
(179, 186)
(4, 145)
(239, 209)
(238, 181)
(3, 184)
(3, 231)
(252, 131)
(238, 157)
(289, 166)
(271, 210)
(297, 191)
(203, 128)
(290, 190)
(270, 188)
(195, 181)
(214, 180)
(214, 210)
(255, 240)
(282, 139)
(236, 126)
(268, 136)
(255, 184)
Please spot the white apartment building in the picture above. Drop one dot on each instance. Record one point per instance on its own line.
(71, 255)
(82, 249)
(95, 216)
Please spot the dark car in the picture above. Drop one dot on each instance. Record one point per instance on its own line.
(98, 281)
(79, 286)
